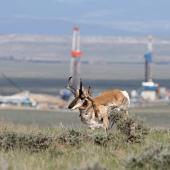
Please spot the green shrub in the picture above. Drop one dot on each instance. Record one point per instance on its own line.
(11, 140)
(133, 129)
(71, 137)
(101, 139)
(156, 158)
(114, 138)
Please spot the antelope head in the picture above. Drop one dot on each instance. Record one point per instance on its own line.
(82, 96)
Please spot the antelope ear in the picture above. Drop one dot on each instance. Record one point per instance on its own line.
(81, 90)
(89, 91)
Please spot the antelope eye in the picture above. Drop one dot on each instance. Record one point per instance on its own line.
(85, 103)
(82, 97)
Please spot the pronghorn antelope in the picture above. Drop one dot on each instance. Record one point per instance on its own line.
(94, 110)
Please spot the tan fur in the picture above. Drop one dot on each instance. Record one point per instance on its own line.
(109, 97)
(96, 109)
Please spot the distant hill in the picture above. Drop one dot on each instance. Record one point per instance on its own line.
(49, 48)
(57, 26)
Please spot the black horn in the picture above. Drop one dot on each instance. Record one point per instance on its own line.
(70, 87)
(81, 94)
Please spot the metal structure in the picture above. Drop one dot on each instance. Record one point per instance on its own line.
(150, 88)
(148, 61)
(75, 58)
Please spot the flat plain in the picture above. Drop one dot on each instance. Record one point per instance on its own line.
(48, 140)
(155, 116)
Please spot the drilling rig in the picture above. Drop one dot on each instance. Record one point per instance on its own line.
(75, 58)
(150, 88)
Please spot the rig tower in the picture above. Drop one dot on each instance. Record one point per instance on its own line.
(148, 60)
(150, 88)
(75, 58)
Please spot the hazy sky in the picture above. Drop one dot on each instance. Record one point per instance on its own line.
(95, 16)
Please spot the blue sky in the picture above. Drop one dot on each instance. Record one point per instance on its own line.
(100, 17)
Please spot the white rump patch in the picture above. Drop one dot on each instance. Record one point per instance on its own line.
(125, 93)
